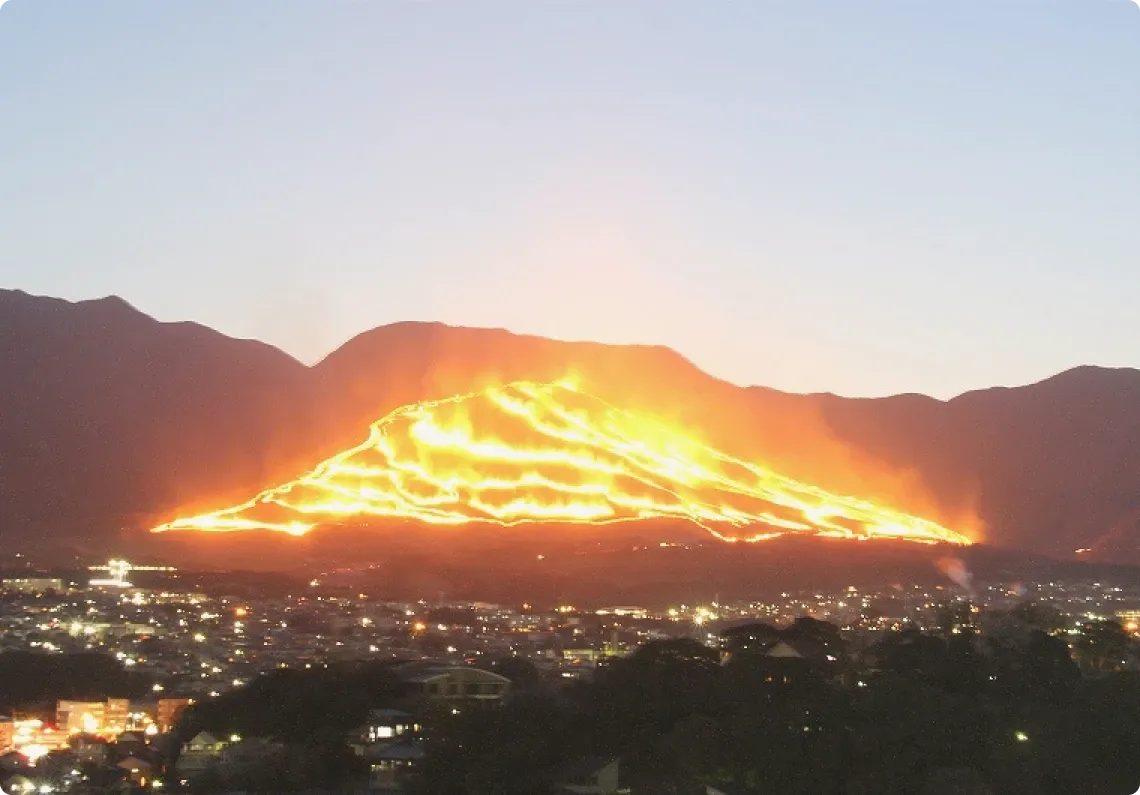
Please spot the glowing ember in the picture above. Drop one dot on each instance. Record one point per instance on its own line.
(529, 452)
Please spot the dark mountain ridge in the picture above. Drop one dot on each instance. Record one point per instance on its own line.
(111, 421)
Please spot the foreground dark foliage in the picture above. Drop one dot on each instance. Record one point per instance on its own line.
(911, 713)
(29, 680)
(917, 713)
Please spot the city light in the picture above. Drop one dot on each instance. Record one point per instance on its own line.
(33, 752)
(565, 643)
(119, 570)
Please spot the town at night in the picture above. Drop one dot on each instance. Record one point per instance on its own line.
(152, 678)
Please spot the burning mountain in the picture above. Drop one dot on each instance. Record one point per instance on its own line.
(113, 421)
(548, 453)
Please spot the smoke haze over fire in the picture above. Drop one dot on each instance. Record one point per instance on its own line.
(547, 452)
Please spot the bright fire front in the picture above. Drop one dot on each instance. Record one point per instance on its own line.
(548, 453)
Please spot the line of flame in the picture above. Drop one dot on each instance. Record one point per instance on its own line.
(682, 479)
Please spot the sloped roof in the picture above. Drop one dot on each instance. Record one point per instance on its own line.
(203, 738)
(426, 671)
(725, 789)
(782, 649)
(406, 751)
(135, 761)
(586, 766)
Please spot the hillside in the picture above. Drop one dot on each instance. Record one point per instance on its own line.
(111, 421)
(107, 415)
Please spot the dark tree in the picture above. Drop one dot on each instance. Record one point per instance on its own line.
(1103, 646)
(28, 679)
(295, 706)
(521, 672)
(1044, 617)
(749, 638)
(512, 749)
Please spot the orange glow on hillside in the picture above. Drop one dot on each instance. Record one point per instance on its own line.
(548, 453)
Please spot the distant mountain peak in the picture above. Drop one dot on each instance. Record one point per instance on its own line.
(110, 304)
(110, 418)
(110, 301)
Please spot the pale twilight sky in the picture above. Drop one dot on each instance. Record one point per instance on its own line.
(864, 197)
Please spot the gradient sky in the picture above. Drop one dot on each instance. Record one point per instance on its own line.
(860, 197)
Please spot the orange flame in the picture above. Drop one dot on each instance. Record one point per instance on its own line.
(555, 455)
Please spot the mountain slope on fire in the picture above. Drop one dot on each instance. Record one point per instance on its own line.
(112, 421)
(533, 452)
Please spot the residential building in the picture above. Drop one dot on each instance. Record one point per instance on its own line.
(202, 751)
(169, 711)
(32, 585)
(594, 776)
(428, 681)
(116, 715)
(76, 717)
(89, 748)
(382, 726)
(724, 789)
(139, 771)
(93, 717)
(391, 763)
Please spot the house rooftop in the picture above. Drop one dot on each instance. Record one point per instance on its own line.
(586, 766)
(409, 751)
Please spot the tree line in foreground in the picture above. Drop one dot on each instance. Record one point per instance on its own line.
(954, 710)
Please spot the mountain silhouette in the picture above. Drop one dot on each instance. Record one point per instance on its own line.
(111, 421)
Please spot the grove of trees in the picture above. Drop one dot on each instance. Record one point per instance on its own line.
(923, 713)
(953, 710)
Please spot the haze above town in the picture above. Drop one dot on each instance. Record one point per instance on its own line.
(860, 198)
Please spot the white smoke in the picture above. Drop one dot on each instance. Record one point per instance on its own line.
(956, 570)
